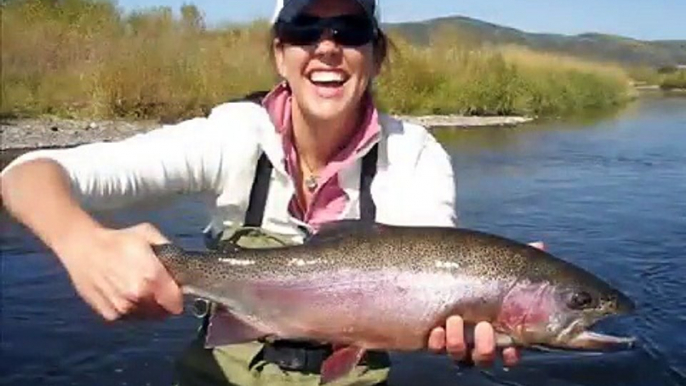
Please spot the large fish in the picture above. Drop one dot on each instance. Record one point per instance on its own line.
(384, 288)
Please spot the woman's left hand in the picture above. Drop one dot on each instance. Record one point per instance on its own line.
(452, 339)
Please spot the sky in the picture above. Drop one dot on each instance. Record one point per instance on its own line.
(641, 19)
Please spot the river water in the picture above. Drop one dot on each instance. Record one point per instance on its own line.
(607, 193)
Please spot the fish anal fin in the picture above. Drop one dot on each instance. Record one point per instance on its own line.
(226, 328)
(340, 363)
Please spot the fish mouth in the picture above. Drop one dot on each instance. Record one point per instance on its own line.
(578, 336)
(594, 341)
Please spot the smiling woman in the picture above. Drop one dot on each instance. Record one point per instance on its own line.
(314, 150)
(336, 72)
(328, 56)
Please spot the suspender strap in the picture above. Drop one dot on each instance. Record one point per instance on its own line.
(260, 189)
(259, 192)
(367, 206)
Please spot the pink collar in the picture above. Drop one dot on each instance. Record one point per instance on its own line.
(278, 104)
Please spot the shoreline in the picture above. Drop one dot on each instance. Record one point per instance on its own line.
(39, 133)
(461, 121)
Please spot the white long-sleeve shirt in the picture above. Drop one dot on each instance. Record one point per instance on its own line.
(216, 156)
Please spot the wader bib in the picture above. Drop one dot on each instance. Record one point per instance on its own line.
(281, 362)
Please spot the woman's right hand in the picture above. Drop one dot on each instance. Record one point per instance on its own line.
(118, 275)
(114, 271)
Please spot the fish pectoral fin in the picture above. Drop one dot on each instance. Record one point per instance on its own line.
(503, 340)
(340, 363)
(226, 328)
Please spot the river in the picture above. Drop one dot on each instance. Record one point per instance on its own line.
(607, 193)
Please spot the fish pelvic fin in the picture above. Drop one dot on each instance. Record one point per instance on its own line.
(340, 363)
(226, 328)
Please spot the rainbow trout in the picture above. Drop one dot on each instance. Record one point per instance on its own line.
(384, 288)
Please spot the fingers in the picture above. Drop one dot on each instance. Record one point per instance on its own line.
(165, 292)
(168, 295)
(455, 338)
(437, 339)
(150, 233)
(147, 309)
(119, 276)
(511, 356)
(99, 301)
(484, 344)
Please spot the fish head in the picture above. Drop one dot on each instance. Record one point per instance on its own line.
(559, 314)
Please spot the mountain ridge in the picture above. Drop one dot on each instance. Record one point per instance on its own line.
(591, 45)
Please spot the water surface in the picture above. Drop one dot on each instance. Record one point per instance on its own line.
(608, 194)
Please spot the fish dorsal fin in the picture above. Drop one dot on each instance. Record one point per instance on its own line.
(342, 229)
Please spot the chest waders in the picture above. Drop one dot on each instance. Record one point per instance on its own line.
(281, 362)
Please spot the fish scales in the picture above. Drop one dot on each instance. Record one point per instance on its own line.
(422, 250)
(386, 287)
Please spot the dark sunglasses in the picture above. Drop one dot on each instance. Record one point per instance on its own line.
(346, 30)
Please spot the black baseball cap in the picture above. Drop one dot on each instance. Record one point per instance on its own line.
(287, 10)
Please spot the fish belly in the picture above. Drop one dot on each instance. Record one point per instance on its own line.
(392, 310)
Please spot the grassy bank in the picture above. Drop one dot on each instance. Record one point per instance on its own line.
(84, 58)
(674, 80)
(666, 78)
(452, 77)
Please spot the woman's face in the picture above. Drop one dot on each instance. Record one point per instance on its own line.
(328, 80)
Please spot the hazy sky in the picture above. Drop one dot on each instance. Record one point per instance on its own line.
(644, 19)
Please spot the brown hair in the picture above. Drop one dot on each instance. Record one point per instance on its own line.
(381, 46)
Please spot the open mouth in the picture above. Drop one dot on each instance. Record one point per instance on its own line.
(579, 336)
(327, 78)
(589, 340)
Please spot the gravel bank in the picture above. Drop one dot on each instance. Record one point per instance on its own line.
(45, 133)
(438, 121)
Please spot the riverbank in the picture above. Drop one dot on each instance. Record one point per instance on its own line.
(441, 121)
(87, 58)
(47, 132)
(53, 132)
(656, 88)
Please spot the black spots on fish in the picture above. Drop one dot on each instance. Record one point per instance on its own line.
(167, 251)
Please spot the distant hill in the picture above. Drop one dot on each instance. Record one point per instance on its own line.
(590, 45)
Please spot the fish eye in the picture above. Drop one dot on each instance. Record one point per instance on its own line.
(580, 300)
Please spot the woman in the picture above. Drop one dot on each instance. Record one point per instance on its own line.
(312, 151)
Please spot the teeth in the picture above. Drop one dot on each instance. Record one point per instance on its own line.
(327, 76)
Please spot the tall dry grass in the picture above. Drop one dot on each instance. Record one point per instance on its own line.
(88, 58)
(675, 80)
(453, 77)
(85, 57)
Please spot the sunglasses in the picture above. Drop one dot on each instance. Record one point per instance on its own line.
(346, 30)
